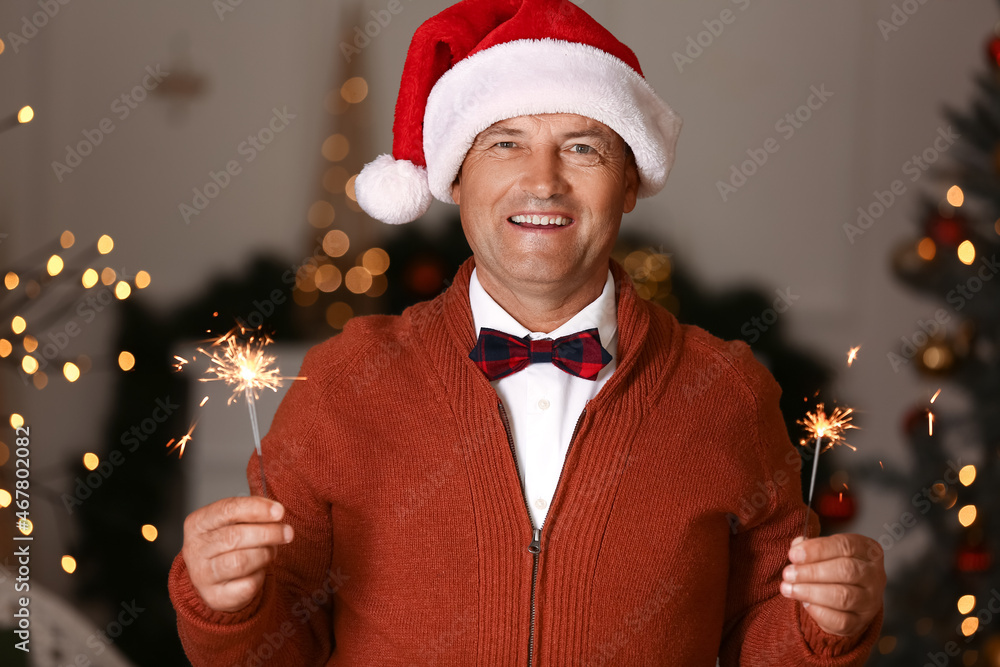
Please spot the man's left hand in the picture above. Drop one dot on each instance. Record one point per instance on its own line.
(839, 580)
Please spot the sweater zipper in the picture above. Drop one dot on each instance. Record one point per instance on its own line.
(535, 548)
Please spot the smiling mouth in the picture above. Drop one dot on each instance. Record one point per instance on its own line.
(540, 221)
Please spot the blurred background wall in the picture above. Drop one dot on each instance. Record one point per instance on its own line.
(219, 72)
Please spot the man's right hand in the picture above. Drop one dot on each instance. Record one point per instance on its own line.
(228, 546)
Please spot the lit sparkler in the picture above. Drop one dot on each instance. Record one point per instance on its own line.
(930, 415)
(249, 370)
(821, 426)
(182, 443)
(852, 354)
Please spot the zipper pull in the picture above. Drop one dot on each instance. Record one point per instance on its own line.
(536, 541)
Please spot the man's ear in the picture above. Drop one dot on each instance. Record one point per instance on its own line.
(456, 187)
(631, 184)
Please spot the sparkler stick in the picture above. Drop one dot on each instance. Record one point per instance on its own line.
(249, 370)
(820, 426)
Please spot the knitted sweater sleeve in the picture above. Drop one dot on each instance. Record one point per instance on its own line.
(763, 627)
(289, 622)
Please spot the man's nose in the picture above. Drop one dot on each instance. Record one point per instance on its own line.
(543, 175)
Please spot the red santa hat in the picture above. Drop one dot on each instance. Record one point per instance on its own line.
(482, 61)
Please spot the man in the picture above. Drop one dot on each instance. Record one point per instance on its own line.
(537, 467)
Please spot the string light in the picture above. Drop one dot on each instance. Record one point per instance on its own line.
(927, 249)
(10, 281)
(358, 280)
(336, 147)
(108, 275)
(354, 90)
(122, 290)
(5, 348)
(30, 343)
(29, 364)
(126, 360)
(16, 421)
(89, 278)
(54, 266)
(970, 625)
(91, 461)
(336, 243)
(967, 475)
(321, 214)
(966, 603)
(25, 115)
(18, 324)
(71, 371)
(105, 244)
(66, 240)
(142, 279)
(149, 532)
(5, 498)
(966, 253)
(955, 196)
(69, 564)
(376, 261)
(967, 515)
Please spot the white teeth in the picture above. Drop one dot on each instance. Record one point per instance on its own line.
(541, 220)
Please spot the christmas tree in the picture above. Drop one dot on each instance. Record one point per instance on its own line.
(943, 608)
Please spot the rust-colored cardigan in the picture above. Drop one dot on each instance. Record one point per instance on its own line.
(664, 543)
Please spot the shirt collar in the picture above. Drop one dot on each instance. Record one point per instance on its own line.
(601, 313)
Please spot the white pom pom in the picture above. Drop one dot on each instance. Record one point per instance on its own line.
(393, 191)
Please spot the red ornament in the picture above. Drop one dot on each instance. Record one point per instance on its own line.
(836, 506)
(947, 231)
(993, 51)
(970, 558)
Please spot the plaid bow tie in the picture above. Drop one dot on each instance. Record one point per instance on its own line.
(500, 354)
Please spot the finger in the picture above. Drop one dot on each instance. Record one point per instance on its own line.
(251, 509)
(234, 595)
(836, 622)
(840, 597)
(234, 565)
(836, 571)
(835, 546)
(244, 536)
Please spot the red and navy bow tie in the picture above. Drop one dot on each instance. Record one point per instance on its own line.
(500, 354)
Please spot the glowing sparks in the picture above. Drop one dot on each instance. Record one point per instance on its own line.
(182, 443)
(930, 423)
(936, 394)
(203, 402)
(244, 366)
(821, 426)
(181, 362)
(852, 354)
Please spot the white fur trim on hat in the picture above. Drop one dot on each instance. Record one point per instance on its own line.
(393, 191)
(528, 77)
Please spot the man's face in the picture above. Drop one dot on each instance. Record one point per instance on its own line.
(568, 167)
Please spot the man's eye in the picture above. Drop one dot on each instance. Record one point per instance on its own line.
(583, 149)
(505, 144)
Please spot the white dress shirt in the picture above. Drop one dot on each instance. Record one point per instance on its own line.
(542, 401)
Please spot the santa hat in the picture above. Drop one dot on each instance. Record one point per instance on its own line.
(482, 61)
